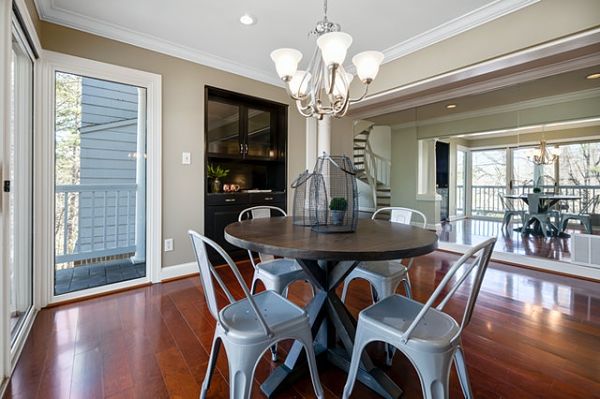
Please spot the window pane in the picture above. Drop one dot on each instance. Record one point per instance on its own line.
(489, 181)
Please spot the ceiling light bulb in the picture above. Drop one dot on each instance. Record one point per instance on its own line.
(340, 88)
(286, 62)
(367, 65)
(334, 46)
(593, 76)
(247, 19)
(451, 106)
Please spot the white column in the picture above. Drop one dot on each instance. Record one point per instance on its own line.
(140, 181)
(311, 143)
(324, 136)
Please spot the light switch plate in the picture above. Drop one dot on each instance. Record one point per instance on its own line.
(186, 158)
(168, 244)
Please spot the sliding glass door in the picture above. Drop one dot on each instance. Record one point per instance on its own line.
(100, 183)
(18, 185)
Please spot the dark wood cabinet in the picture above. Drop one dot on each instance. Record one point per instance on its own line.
(248, 136)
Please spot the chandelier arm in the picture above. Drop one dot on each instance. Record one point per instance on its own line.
(355, 100)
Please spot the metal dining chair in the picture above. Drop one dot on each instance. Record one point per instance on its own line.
(248, 327)
(429, 337)
(584, 216)
(385, 276)
(275, 273)
(509, 211)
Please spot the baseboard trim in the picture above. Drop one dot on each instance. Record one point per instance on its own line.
(178, 271)
(531, 262)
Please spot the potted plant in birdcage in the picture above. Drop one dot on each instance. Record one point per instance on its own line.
(216, 173)
(338, 207)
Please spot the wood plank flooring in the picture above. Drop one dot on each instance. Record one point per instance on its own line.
(533, 335)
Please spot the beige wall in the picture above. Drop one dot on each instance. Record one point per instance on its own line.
(541, 22)
(183, 123)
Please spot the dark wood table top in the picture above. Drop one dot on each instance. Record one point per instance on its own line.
(372, 240)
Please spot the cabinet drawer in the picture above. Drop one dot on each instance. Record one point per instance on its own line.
(227, 199)
(262, 198)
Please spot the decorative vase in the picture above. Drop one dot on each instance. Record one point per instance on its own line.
(337, 217)
(216, 185)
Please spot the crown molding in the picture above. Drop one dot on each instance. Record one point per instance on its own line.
(50, 13)
(454, 27)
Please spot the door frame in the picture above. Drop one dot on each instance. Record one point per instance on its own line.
(45, 158)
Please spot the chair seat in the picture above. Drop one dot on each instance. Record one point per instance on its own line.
(279, 267)
(394, 315)
(381, 269)
(241, 322)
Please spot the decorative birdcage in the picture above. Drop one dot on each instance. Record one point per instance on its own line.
(327, 198)
(302, 204)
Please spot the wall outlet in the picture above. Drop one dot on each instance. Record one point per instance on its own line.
(186, 158)
(168, 244)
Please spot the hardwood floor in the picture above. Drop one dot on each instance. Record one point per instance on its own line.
(533, 335)
(473, 231)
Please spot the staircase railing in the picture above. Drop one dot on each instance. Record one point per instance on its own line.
(377, 169)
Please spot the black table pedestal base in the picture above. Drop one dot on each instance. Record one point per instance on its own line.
(330, 320)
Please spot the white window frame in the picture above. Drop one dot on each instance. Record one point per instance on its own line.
(51, 63)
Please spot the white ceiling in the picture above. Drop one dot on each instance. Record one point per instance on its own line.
(209, 32)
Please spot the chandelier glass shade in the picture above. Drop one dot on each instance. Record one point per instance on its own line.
(324, 87)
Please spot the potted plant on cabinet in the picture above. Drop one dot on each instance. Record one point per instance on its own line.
(216, 173)
(338, 207)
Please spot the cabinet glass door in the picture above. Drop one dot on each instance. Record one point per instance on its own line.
(223, 129)
(260, 139)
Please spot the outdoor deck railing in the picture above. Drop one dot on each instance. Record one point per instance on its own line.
(94, 220)
(485, 200)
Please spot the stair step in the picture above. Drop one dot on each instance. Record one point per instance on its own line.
(385, 190)
(360, 140)
(359, 148)
(359, 163)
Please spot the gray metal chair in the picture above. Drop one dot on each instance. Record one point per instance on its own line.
(275, 273)
(509, 211)
(430, 338)
(537, 215)
(584, 216)
(385, 276)
(248, 327)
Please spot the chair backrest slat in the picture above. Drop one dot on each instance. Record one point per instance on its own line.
(589, 206)
(483, 253)
(207, 271)
(259, 212)
(402, 215)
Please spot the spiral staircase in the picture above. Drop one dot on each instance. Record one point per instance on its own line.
(373, 171)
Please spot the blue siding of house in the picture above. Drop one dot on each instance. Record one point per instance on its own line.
(108, 141)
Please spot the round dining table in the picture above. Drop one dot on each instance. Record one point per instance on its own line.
(327, 259)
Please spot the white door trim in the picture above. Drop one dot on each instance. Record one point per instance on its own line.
(51, 63)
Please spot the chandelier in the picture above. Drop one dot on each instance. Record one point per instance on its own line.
(324, 87)
(544, 157)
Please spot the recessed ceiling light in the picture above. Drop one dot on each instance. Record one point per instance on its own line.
(593, 76)
(451, 106)
(247, 19)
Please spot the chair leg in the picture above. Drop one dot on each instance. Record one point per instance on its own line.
(344, 290)
(212, 361)
(407, 287)
(242, 361)
(463, 375)
(434, 370)
(588, 226)
(359, 346)
(254, 283)
(312, 364)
